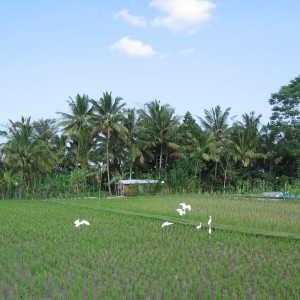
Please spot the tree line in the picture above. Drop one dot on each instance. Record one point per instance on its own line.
(98, 142)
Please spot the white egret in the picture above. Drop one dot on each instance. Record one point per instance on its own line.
(199, 226)
(83, 222)
(209, 230)
(181, 211)
(167, 223)
(209, 221)
(186, 206)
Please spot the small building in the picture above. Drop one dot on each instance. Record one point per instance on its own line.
(136, 186)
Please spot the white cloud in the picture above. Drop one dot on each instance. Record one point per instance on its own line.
(133, 47)
(134, 20)
(187, 51)
(181, 14)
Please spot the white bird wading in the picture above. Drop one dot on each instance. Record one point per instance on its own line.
(83, 222)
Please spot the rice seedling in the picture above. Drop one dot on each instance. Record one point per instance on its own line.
(130, 256)
(250, 215)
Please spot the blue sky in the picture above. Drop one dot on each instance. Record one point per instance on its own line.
(190, 54)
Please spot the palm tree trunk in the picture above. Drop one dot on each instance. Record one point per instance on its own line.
(225, 179)
(130, 171)
(107, 163)
(196, 170)
(216, 169)
(160, 160)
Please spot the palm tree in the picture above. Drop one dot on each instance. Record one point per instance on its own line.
(245, 137)
(199, 149)
(77, 125)
(27, 152)
(252, 123)
(83, 139)
(160, 126)
(267, 144)
(227, 161)
(10, 180)
(107, 117)
(216, 122)
(78, 119)
(133, 145)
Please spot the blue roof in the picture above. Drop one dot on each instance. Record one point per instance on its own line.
(137, 181)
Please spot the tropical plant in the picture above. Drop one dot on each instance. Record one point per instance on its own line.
(78, 119)
(133, 142)
(27, 152)
(215, 121)
(200, 149)
(285, 124)
(160, 126)
(107, 119)
(244, 139)
(78, 128)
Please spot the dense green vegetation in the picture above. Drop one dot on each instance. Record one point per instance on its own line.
(88, 149)
(125, 254)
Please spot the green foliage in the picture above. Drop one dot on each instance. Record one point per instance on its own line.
(144, 189)
(189, 127)
(160, 125)
(78, 119)
(102, 140)
(181, 178)
(291, 185)
(107, 119)
(285, 124)
(26, 151)
(286, 104)
(216, 122)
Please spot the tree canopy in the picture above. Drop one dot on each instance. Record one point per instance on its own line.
(97, 142)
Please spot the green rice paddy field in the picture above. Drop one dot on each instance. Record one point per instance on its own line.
(252, 252)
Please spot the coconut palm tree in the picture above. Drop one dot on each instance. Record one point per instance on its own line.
(78, 128)
(199, 149)
(27, 152)
(215, 121)
(133, 145)
(107, 119)
(244, 138)
(267, 145)
(160, 125)
(252, 123)
(78, 119)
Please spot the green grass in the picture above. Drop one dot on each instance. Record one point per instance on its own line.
(125, 254)
(249, 215)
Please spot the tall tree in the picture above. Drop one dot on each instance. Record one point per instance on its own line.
(285, 123)
(27, 152)
(245, 137)
(199, 149)
(216, 122)
(77, 126)
(189, 127)
(160, 126)
(133, 143)
(286, 106)
(78, 119)
(107, 117)
(47, 129)
(267, 145)
(251, 122)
